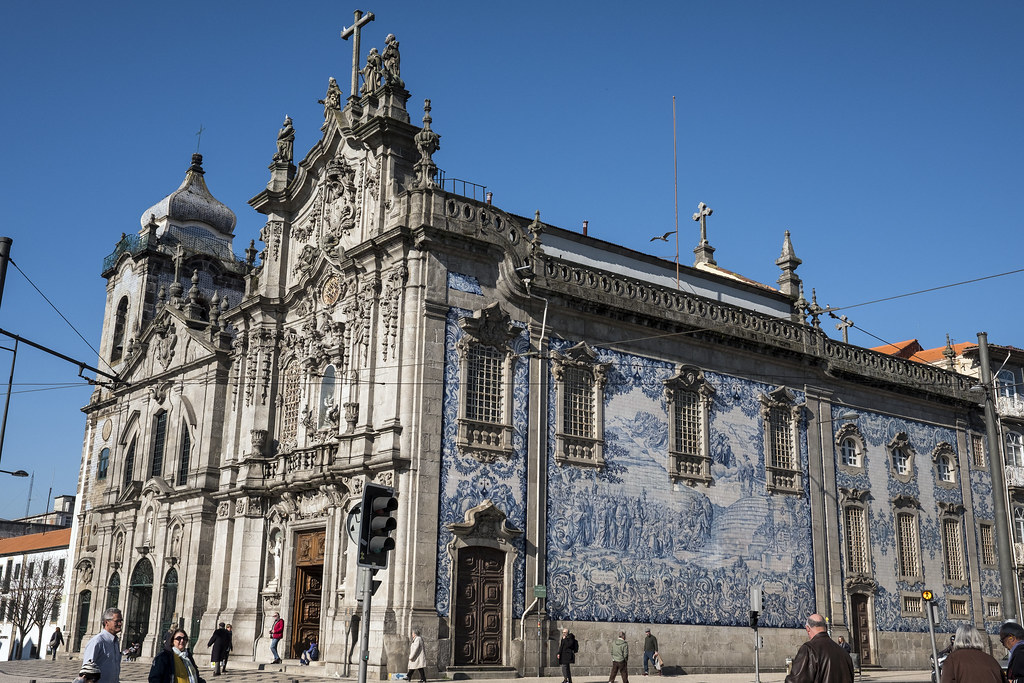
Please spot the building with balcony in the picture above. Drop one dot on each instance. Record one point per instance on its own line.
(576, 435)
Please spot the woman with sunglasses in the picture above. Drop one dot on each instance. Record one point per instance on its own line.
(174, 664)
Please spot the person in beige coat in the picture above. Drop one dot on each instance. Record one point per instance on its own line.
(417, 657)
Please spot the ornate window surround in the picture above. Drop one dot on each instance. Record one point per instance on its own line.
(780, 478)
(858, 499)
(944, 453)
(905, 505)
(953, 513)
(851, 432)
(486, 441)
(900, 444)
(574, 449)
(691, 468)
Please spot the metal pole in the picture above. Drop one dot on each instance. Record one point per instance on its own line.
(757, 661)
(364, 638)
(995, 466)
(929, 607)
(5, 255)
(7, 399)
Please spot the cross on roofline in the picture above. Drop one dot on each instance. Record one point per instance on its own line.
(353, 30)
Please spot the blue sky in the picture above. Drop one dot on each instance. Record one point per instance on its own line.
(886, 136)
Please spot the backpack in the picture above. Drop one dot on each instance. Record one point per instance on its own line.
(314, 652)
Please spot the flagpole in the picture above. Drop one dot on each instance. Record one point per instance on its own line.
(675, 183)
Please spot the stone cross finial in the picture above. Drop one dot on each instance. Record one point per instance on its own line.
(199, 137)
(353, 30)
(704, 252)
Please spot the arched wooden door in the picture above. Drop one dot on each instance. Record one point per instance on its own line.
(309, 575)
(479, 596)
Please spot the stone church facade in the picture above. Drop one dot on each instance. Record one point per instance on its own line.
(576, 434)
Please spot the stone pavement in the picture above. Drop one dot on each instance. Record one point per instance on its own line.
(65, 671)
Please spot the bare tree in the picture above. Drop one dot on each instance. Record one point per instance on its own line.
(33, 601)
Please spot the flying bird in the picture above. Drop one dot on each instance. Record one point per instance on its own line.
(664, 238)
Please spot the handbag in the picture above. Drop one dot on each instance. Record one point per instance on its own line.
(657, 662)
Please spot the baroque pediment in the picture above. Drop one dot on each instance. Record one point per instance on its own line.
(165, 344)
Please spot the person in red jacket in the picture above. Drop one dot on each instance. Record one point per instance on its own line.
(276, 633)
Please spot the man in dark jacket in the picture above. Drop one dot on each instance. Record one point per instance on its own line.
(220, 642)
(1011, 635)
(567, 649)
(820, 660)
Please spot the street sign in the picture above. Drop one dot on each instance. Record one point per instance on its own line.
(540, 591)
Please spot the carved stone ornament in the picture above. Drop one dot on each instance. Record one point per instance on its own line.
(166, 340)
(852, 495)
(331, 290)
(861, 583)
(248, 507)
(485, 522)
(342, 206)
(258, 438)
(385, 478)
(389, 306)
(223, 509)
(905, 502)
(158, 392)
(490, 326)
(951, 509)
(85, 572)
(271, 602)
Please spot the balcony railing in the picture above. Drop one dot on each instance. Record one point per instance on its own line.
(1010, 406)
(1014, 476)
(461, 187)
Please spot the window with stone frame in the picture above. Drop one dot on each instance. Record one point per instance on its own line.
(908, 539)
(951, 515)
(987, 541)
(780, 414)
(1018, 523)
(1014, 449)
(993, 610)
(291, 399)
(913, 604)
(159, 443)
(850, 445)
(689, 397)
(103, 464)
(579, 406)
(486, 363)
(129, 462)
(856, 540)
(944, 458)
(901, 456)
(184, 454)
(958, 608)
(978, 451)
(120, 325)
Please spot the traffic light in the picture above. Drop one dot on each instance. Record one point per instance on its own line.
(927, 595)
(753, 618)
(375, 526)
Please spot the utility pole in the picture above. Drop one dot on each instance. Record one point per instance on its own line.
(995, 466)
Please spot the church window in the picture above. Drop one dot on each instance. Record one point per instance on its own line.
(292, 398)
(120, 323)
(907, 545)
(944, 458)
(957, 608)
(901, 455)
(1014, 449)
(103, 464)
(901, 461)
(850, 443)
(186, 448)
(485, 369)
(328, 403)
(953, 545)
(851, 458)
(857, 540)
(945, 470)
(170, 593)
(1006, 384)
(689, 398)
(779, 413)
(129, 462)
(579, 385)
(978, 451)
(993, 609)
(988, 544)
(113, 590)
(159, 441)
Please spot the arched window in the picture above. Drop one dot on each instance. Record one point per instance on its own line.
(167, 612)
(120, 322)
(944, 469)
(186, 448)
(84, 603)
(114, 590)
(103, 464)
(850, 453)
(1018, 522)
(159, 441)
(1014, 449)
(129, 462)
(290, 406)
(1006, 383)
(140, 596)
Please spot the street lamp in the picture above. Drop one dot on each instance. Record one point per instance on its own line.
(16, 473)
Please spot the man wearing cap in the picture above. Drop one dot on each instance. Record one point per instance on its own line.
(1011, 635)
(820, 659)
(650, 652)
(620, 657)
(276, 634)
(90, 673)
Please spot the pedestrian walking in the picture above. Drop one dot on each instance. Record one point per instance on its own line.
(567, 649)
(650, 651)
(968, 662)
(276, 633)
(219, 644)
(174, 663)
(56, 640)
(820, 659)
(104, 650)
(620, 658)
(1011, 635)
(417, 656)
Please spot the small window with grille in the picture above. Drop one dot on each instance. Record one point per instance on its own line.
(957, 608)
(988, 545)
(978, 451)
(856, 540)
(908, 547)
(993, 610)
(913, 605)
(953, 546)
(780, 413)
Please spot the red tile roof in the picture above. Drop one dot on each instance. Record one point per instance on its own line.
(936, 354)
(903, 349)
(48, 540)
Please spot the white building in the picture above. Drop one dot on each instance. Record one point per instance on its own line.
(32, 570)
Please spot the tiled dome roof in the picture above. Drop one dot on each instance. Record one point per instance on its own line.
(193, 203)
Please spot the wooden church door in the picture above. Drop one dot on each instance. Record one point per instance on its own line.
(309, 575)
(479, 595)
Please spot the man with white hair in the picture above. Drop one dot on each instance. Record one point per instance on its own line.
(104, 650)
(820, 659)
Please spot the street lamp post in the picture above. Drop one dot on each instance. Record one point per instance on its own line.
(15, 473)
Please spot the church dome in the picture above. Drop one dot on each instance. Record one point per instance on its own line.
(192, 203)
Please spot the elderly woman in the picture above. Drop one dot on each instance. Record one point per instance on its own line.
(968, 662)
(174, 664)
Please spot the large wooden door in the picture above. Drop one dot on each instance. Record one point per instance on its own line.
(309, 575)
(861, 629)
(479, 587)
